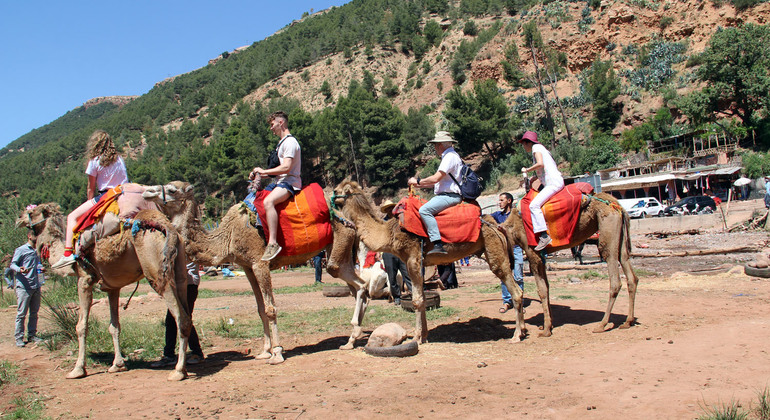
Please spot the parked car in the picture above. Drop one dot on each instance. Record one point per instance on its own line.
(646, 207)
(688, 205)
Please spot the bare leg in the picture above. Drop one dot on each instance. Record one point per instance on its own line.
(118, 363)
(72, 220)
(277, 196)
(85, 295)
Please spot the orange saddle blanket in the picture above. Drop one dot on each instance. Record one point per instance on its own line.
(304, 221)
(561, 212)
(460, 223)
(124, 200)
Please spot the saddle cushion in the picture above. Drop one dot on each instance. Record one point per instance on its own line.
(561, 212)
(460, 223)
(304, 221)
(125, 201)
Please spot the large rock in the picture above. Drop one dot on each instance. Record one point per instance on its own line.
(387, 335)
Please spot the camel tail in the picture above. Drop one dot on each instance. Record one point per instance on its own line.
(169, 257)
(626, 231)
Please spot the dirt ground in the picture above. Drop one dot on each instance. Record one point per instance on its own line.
(702, 338)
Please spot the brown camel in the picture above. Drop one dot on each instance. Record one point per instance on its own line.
(600, 212)
(237, 242)
(115, 262)
(387, 236)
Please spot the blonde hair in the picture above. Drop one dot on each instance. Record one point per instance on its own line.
(100, 145)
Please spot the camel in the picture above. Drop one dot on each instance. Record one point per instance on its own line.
(599, 212)
(387, 236)
(237, 242)
(117, 261)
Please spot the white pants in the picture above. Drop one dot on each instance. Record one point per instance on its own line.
(538, 220)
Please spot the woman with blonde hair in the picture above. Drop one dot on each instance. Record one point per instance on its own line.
(105, 169)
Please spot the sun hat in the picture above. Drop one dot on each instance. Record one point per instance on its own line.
(387, 206)
(442, 137)
(529, 136)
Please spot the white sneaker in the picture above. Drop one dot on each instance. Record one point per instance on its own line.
(64, 261)
(544, 241)
(271, 251)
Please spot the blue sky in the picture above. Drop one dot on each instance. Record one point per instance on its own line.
(57, 55)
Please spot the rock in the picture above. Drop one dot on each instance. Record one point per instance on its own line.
(390, 334)
(574, 280)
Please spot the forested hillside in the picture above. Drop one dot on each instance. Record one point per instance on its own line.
(367, 83)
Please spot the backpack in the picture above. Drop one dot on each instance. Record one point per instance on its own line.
(470, 183)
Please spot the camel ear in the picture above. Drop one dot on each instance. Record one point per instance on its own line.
(188, 188)
(171, 188)
(151, 191)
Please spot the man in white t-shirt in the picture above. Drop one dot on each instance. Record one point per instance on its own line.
(549, 175)
(288, 180)
(446, 190)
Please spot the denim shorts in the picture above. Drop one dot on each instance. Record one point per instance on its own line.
(284, 185)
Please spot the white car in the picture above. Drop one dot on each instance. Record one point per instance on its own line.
(645, 207)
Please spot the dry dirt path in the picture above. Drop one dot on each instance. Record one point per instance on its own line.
(700, 338)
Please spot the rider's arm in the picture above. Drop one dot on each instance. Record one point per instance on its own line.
(91, 186)
(427, 182)
(538, 162)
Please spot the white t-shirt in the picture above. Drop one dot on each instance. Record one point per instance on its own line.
(290, 149)
(450, 164)
(109, 177)
(549, 174)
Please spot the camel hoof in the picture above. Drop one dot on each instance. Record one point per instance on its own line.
(603, 328)
(77, 373)
(117, 368)
(516, 339)
(264, 355)
(177, 376)
(626, 325)
(277, 357)
(545, 333)
(347, 346)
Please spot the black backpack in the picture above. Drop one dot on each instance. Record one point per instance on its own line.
(470, 183)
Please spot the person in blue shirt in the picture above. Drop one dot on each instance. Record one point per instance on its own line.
(767, 192)
(505, 202)
(24, 263)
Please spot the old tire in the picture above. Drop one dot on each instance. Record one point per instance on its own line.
(757, 272)
(432, 301)
(409, 348)
(336, 291)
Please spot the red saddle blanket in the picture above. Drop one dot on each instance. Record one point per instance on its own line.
(460, 223)
(124, 200)
(561, 213)
(304, 221)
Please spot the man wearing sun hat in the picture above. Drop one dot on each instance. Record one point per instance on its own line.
(447, 192)
(392, 263)
(549, 175)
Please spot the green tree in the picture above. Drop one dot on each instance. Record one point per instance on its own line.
(433, 33)
(479, 119)
(470, 28)
(604, 88)
(326, 90)
(735, 69)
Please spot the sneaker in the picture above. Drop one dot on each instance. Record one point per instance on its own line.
(35, 339)
(64, 261)
(163, 362)
(194, 359)
(438, 248)
(20, 343)
(544, 241)
(397, 301)
(271, 251)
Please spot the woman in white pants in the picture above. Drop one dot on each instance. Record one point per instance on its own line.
(549, 175)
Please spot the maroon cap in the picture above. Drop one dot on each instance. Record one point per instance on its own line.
(529, 136)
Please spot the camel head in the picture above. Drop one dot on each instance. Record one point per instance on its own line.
(170, 197)
(33, 217)
(345, 190)
(351, 199)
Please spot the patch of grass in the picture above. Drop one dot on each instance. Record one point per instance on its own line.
(208, 293)
(8, 373)
(322, 320)
(593, 274)
(566, 297)
(762, 410)
(313, 287)
(640, 272)
(28, 407)
(8, 298)
(722, 411)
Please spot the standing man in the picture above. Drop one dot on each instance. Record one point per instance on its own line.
(318, 266)
(505, 202)
(767, 192)
(288, 182)
(549, 175)
(447, 192)
(392, 263)
(25, 262)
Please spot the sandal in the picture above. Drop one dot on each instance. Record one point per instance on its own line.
(505, 308)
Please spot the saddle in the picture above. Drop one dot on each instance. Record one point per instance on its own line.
(304, 220)
(561, 212)
(460, 223)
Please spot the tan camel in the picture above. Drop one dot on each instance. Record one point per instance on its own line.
(597, 214)
(236, 241)
(387, 236)
(115, 262)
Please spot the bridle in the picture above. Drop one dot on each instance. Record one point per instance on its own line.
(334, 198)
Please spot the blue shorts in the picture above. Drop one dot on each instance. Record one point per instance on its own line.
(284, 185)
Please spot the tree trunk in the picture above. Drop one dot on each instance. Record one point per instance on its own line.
(561, 108)
(355, 162)
(542, 91)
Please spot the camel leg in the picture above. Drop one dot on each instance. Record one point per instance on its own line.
(85, 295)
(537, 266)
(344, 270)
(516, 293)
(267, 346)
(613, 267)
(418, 300)
(263, 293)
(176, 302)
(118, 363)
(631, 283)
